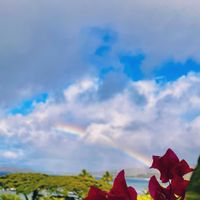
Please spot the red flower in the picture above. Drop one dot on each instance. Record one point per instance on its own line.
(181, 169)
(96, 194)
(178, 187)
(158, 192)
(175, 190)
(172, 171)
(165, 164)
(119, 191)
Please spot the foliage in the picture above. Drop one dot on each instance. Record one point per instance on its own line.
(107, 177)
(51, 186)
(9, 197)
(85, 173)
(51, 198)
(24, 183)
(194, 185)
(192, 196)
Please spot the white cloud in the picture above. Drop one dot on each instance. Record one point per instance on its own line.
(145, 119)
(81, 87)
(12, 154)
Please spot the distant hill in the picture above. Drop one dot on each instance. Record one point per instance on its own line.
(141, 172)
(9, 170)
(132, 172)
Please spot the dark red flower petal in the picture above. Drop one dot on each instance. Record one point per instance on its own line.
(119, 191)
(96, 194)
(158, 192)
(132, 193)
(120, 188)
(116, 197)
(179, 186)
(156, 163)
(181, 169)
(165, 165)
(155, 189)
(119, 185)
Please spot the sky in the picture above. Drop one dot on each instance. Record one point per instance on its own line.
(98, 85)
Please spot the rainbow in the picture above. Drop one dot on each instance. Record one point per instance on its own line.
(80, 132)
(130, 152)
(138, 156)
(70, 129)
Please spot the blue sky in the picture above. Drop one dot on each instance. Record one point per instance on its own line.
(121, 71)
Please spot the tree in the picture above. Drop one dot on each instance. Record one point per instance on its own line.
(51, 186)
(85, 173)
(194, 185)
(24, 183)
(9, 197)
(107, 177)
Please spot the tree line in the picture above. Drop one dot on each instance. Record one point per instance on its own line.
(39, 185)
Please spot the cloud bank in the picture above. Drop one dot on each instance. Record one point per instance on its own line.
(146, 118)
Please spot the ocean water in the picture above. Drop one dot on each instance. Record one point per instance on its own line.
(140, 184)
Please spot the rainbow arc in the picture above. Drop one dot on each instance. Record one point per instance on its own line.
(70, 129)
